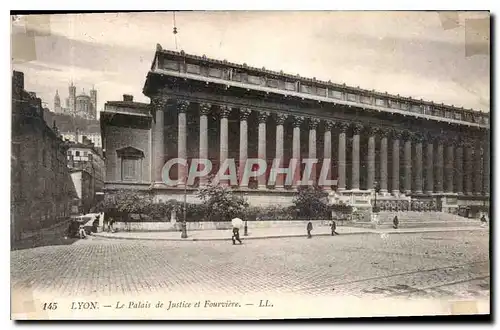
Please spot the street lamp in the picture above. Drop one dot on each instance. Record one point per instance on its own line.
(183, 225)
(376, 187)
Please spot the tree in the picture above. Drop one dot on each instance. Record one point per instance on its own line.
(311, 202)
(221, 203)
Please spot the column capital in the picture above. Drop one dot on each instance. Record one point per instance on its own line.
(429, 137)
(244, 113)
(263, 115)
(205, 109)
(342, 126)
(329, 125)
(396, 134)
(357, 128)
(158, 102)
(313, 123)
(297, 121)
(372, 130)
(281, 118)
(224, 111)
(408, 135)
(418, 137)
(182, 106)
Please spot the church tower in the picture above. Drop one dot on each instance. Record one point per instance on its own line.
(93, 101)
(72, 99)
(57, 103)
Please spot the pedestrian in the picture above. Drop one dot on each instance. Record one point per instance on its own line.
(395, 222)
(111, 221)
(309, 229)
(483, 221)
(81, 231)
(333, 226)
(236, 223)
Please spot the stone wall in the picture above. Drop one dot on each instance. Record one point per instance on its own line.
(41, 186)
(191, 226)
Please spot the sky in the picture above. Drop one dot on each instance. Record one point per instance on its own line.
(440, 57)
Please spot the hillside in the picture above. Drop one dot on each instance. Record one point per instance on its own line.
(67, 123)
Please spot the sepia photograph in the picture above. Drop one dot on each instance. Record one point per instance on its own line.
(242, 165)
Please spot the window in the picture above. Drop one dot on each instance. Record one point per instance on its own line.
(77, 153)
(85, 153)
(131, 163)
(129, 171)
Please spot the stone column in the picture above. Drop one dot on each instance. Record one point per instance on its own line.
(327, 150)
(370, 158)
(341, 180)
(396, 136)
(355, 156)
(158, 139)
(262, 180)
(383, 161)
(459, 167)
(204, 111)
(297, 122)
(313, 124)
(280, 132)
(224, 112)
(429, 165)
(448, 167)
(478, 173)
(486, 166)
(418, 163)
(439, 165)
(468, 153)
(182, 107)
(407, 161)
(244, 113)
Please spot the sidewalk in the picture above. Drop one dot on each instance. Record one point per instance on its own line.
(262, 233)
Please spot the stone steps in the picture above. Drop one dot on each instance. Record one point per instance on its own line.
(413, 219)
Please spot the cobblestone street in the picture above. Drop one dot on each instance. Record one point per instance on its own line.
(427, 264)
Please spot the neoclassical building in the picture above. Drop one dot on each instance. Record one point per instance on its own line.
(422, 154)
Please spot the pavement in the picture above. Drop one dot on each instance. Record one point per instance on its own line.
(434, 264)
(276, 232)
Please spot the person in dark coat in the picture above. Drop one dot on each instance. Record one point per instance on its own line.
(333, 226)
(395, 222)
(309, 229)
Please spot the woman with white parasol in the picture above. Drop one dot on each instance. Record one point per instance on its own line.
(236, 223)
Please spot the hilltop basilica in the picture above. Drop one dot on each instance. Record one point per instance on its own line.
(82, 105)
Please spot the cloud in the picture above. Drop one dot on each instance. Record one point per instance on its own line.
(410, 53)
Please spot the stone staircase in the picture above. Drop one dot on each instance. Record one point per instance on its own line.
(414, 219)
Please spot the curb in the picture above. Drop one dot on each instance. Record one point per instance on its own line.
(373, 232)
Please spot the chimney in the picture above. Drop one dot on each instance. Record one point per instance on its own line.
(128, 98)
(18, 79)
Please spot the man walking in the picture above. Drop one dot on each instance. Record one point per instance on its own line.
(333, 226)
(395, 222)
(236, 223)
(309, 229)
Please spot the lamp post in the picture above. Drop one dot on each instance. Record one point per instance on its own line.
(377, 189)
(183, 226)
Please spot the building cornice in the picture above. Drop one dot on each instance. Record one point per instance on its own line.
(201, 68)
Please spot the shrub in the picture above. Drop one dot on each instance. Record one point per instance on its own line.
(311, 203)
(220, 203)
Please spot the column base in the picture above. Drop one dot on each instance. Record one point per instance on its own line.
(279, 188)
(429, 192)
(408, 192)
(396, 192)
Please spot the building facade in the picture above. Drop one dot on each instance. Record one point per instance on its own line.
(41, 189)
(86, 164)
(78, 136)
(423, 155)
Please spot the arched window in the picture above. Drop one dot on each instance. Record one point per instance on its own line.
(130, 160)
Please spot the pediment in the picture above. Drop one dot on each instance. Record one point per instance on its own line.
(130, 152)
